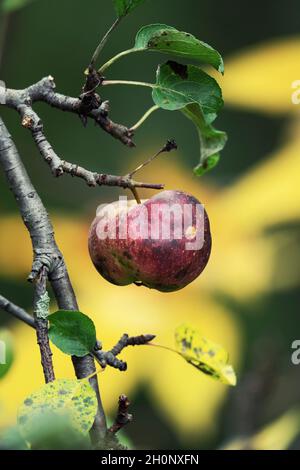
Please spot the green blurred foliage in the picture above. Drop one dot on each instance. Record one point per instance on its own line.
(12, 5)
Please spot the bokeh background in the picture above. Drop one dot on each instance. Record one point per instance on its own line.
(248, 297)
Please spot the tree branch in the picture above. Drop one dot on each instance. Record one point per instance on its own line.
(105, 358)
(16, 311)
(41, 311)
(123, 417)
(22, 100)
(44, 90)
(110, 357)
(46, 253)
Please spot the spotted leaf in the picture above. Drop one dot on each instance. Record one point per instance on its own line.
(168, 40)
(210, 358)
(70, 398)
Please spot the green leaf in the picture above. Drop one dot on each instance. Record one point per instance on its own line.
(70, 399)
(211, 140)
(166, 39)
(11, 5)
(189, 89)
(123, 7)
(72, 332)
(209, 357)
(6, 352)
(178, 85)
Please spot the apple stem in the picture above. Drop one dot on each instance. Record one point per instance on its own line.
(136, 196)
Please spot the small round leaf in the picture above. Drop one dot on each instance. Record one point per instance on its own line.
(72, 332)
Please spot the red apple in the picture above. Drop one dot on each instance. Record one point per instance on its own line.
(163, 243)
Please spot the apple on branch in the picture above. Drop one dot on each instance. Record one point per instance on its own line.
(164, 243)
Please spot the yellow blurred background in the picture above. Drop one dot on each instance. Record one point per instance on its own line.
(247, 299)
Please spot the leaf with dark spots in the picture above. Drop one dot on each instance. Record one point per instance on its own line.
(28, 402)
(68, 398)
(87, 400)
(199, 98)
(166, 39)
(210, 358)
(185, 344)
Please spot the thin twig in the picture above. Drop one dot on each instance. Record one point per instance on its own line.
(41, 311)
(123, 417)
(43, 91)
(100, 179)
(126, 340)
(110, 357)
(104, 358)
(168, 147)
(16, 311)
